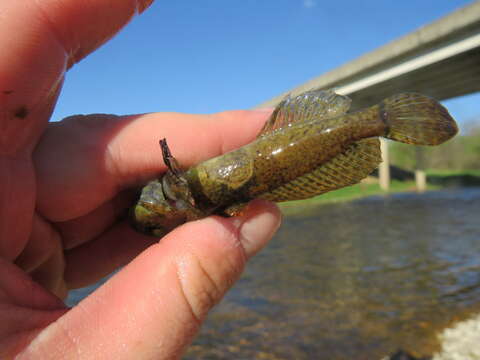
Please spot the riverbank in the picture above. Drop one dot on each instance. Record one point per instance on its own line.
(358, 191)
(457, 342)
(436, 180)
(461, 342)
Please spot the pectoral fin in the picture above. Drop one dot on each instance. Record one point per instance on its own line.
(345, 169)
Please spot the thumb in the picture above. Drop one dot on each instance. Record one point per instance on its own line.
(154, 306)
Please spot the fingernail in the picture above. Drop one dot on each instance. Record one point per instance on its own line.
(262, 221)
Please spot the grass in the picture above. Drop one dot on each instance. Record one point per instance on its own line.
(368, 189)
(350, 193)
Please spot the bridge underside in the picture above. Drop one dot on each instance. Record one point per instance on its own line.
(441, 60)
(455, 76)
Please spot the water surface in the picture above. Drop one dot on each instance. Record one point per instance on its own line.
(354, 280)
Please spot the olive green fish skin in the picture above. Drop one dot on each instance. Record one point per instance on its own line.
(309, 146)
(279, 157)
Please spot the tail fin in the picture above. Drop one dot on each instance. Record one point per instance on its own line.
(417, 119)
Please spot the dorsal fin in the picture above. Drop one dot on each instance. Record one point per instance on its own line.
(347, 168)
(311, 105)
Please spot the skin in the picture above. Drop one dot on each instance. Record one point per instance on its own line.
(63, 192)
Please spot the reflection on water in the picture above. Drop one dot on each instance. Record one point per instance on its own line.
(354, 280)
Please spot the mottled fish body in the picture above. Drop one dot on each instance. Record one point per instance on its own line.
(309, 146)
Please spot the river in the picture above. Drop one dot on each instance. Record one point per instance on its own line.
(354, 280)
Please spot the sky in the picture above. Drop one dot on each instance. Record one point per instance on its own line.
(214, 55)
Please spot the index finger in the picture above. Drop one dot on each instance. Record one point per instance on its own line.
(97, 156)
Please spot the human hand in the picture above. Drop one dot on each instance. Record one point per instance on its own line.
(64, 190)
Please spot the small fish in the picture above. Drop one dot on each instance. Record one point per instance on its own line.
(310, 145)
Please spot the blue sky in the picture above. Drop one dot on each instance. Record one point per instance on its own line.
(213, 55)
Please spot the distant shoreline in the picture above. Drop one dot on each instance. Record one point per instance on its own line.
(370, 187)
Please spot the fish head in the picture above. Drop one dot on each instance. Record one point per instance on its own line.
(163, 205)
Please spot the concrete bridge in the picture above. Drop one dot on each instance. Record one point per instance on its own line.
(441, 60)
